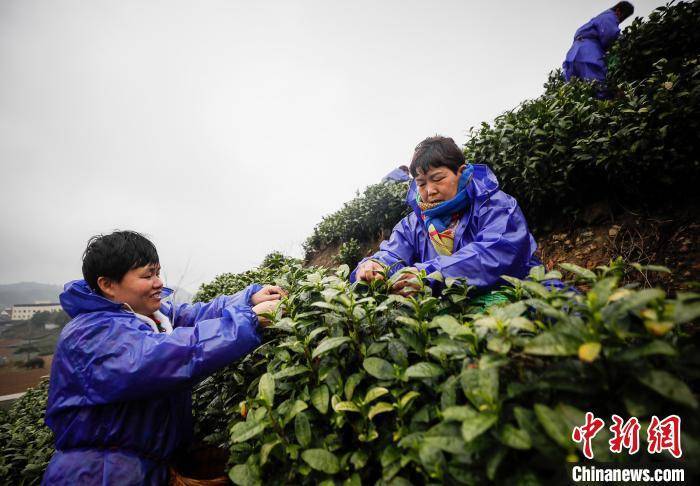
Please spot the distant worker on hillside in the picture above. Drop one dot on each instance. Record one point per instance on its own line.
(586, 57)
(400, 174)
(462, 225)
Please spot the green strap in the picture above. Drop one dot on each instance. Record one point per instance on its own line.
(485, 301)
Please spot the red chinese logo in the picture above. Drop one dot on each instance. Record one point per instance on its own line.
(587, 432)
(665, 435)
(662, 435)
(625, 435)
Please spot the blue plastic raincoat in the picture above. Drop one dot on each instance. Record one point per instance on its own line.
(586, 57)
(396, 175)
(491, 238)
(120, 394)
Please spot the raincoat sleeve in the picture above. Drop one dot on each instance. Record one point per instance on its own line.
(502, 246)
(119, 358)
(186, 315)
(396, 252)
(607, 28)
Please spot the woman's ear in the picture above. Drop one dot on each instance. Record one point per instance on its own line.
(106, 286)
(461, 170)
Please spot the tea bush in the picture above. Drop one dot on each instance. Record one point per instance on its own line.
(26, 443)
(671, 32)
(364, 218)
(272, 265)
(565, 149)
(212, 398)
(356, 386)
(349, 253)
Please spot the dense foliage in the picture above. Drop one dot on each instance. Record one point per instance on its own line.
(365, 218)
(26, 444)
(233, 282)
(567, 148)
(355, 385)
(211, 399)
(671, 32)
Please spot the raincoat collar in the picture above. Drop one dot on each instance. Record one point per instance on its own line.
(472, 190)
(78, 298)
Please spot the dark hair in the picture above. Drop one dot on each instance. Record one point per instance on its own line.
(115, 254)
(436, 151)
(625, 9)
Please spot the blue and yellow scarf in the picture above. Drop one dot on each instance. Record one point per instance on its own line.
(441, 219)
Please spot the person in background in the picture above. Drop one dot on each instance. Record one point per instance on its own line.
(119, 400)
(462, 225)
(400, 174)
(586, 57)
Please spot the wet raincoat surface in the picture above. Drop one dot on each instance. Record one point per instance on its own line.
(586, 57)
(120, 394)
(491, 238)
(396, 175)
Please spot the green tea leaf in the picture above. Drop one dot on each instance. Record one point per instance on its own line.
(320, 397)
(656, 347)
(243, 431)
(552, 343)
(554, 425)
(328, 344)
(514, 437)
(346, 407)
(423, 369)
(243, 475)
(450, 325)
(664, 383)
(302, 429)
(581, 272)
(266, 389)
(350, 384)
(321, 460)
(375, 393)
(477, 425)
(379, 368)
(291, 371)
(379, 407)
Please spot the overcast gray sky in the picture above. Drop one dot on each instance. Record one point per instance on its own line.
(225, 130)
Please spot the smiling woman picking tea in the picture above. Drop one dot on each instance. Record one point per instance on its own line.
(462, 224)
(119, 395)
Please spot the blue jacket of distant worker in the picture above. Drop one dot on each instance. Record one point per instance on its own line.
(586, 57)
(491, 238)
(120, 394)
(396, 175)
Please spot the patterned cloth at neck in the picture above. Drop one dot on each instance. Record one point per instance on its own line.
(443, 241)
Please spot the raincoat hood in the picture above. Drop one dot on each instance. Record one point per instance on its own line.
(78, 298)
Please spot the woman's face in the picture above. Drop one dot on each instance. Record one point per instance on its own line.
(140, 288)
(439, 184)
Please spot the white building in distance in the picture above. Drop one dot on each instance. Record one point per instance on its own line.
(22, 312)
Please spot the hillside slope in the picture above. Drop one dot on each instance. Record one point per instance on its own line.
(578, 164)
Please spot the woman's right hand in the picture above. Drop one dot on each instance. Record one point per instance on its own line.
(267, 307)
(370, 270)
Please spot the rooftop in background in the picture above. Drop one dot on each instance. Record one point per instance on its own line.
(39, 304)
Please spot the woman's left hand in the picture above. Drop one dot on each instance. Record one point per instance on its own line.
(407, 283)
(268, 292)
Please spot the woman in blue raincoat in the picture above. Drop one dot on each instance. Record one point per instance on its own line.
(120, 388)
(462, 225)
(586, 57)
